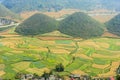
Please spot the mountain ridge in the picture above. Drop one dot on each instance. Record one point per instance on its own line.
(6, 13)
(56, 5)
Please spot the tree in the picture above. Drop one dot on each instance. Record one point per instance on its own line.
(18, 75)
(118, 77)
(35, 75)
(46, 75)
(118, 70)
(73, 59)
(59, 67)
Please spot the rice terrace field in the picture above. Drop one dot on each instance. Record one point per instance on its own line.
(94, 57)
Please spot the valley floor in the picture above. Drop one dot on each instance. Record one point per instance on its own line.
(95, 57)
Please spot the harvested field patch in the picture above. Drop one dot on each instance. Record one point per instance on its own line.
(59, 51)
(82, 56)
(2, 73)
(79, 72)
(105, 56)
(107, 34)
(118, 43)
(100, 66)
(103, 18)
(103, 44)
(88, 43)
(37, 71)
(20, 66)
(54, 38)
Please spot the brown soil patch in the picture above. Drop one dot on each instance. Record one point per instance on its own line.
(104, 56)
(118, 43)
(42, 49)
(103, 45)
(88, 43)
(2, 73)
(54, 38)
(11, 42)
(59, 51)
(103, 18)
(10, 35)
(82, 56)
(79, 72)
(107, 34)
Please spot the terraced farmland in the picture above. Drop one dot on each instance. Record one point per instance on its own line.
(95, 57)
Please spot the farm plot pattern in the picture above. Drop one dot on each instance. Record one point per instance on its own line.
(95, 57)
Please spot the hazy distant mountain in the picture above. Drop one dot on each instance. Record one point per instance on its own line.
(6, 13)
(50, 5)
(111, 4)
(1, 1)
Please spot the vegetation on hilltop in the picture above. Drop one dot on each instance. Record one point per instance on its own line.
(37, 24)
(76, 25)
(81, 25)
(113, 25)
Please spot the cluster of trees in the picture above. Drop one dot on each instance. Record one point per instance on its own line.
(76, 25)
(48, 5)
(118, 77)
(113, 25)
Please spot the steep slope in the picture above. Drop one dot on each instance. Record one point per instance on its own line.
(6, 13)
(113, 25)
(81, 25)
(48, 5)
(37, 24)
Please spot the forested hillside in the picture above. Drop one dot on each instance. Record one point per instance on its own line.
(37, 24)
(81, 25)
(55, 5)
(113, 25)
